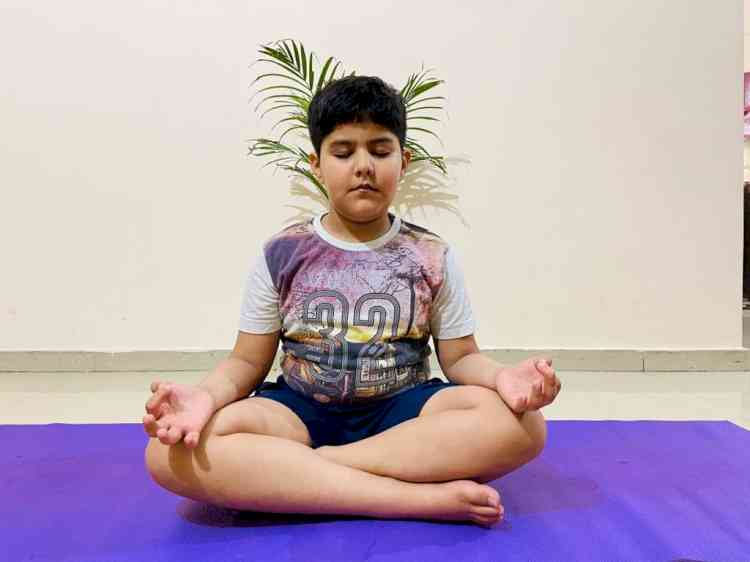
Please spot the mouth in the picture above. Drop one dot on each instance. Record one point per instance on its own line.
(364, 187)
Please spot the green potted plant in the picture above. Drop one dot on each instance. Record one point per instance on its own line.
(295, 75)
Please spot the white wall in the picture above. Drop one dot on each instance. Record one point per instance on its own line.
(602, 197)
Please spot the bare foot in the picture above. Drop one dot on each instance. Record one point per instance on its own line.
(463, 500)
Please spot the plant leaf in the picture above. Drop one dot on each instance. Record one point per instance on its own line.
(286, 96)
(288, 52)
(424, 100)
(311, 71)
(293, 74)
(285, 76)
(284, 159)
(303, 58)
(309, 175)
(415, 109)
(290, 129)
(426, 86)
(425, 118)
(425, 131)
(296, 54)
(322, 77)
(279, 106)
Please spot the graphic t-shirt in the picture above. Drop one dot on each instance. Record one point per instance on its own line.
(356, 318)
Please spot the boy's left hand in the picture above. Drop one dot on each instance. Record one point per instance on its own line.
(529, 385)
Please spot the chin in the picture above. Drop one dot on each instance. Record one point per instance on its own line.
(363, 214)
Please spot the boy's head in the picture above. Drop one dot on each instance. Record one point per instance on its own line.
(356, 99)
(357, 126)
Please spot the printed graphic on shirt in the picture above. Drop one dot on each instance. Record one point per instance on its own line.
(355, 323)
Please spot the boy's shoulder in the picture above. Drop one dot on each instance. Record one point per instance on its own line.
(419, 232)
(296, 231)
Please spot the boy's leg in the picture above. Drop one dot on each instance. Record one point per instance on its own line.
(273, 474)
(462, 431)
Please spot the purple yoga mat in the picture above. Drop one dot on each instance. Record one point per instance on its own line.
(601, 491)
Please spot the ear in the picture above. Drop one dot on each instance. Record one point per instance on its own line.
(314, 164)
(405, 159)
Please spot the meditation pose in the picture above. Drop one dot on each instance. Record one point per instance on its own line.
(354, 424)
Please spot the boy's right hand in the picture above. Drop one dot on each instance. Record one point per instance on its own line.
(177, 412)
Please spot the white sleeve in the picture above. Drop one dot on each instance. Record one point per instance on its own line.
(259, 313)
(451, 310)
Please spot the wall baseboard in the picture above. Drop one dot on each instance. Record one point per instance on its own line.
(563, 359)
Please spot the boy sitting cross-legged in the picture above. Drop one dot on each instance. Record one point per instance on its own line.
(354, 424)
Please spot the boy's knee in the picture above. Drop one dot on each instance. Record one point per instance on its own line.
(156, 460)
(167, 464)
(535, 426)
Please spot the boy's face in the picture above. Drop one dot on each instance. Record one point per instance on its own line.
(360, 153)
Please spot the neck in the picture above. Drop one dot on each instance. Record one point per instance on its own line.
(350, 231)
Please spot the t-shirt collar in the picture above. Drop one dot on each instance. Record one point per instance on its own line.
(357, 246)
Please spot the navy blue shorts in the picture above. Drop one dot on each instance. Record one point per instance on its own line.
(339, 424)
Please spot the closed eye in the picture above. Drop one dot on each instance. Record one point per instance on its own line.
(378, 154)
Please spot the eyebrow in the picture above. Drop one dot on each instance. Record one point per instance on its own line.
(344, 142)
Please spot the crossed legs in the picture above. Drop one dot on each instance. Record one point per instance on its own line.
(462, 432)
(255, 454)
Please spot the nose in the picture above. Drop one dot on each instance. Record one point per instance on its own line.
(363, 164)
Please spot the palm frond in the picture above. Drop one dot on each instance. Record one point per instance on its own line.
(310, 176)
(424, 131)
(290, 129)
(299, 101)
(424, 118)
(415, 109)
(278, 106)
(423, 100)
(322, 77)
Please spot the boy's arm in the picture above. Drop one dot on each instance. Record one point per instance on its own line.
(462, 362)
(244, 370)
(528, 386)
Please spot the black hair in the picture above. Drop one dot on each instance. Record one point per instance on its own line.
(356, 99)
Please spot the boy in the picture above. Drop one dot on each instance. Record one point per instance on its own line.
(354, 424)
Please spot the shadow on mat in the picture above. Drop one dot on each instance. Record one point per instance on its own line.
(215, 516)
(541, 487)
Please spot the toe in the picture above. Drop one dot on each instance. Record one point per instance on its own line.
(493, 497)
(485, 521)
(485, 511)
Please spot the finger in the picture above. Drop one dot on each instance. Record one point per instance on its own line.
(191, 439)
(535, 395)
(155, 385)
(537, 388)
(152, 425)
(153, 406)
(168, 434)
(540, 397)
(149, 425)
(520, 405)
(549, 375)
(541, 366)
(544, 366)
(162, 435)
(550, 391)
(174, 435)
(152, 402)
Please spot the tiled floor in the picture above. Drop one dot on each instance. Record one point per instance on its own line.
(40, 398)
